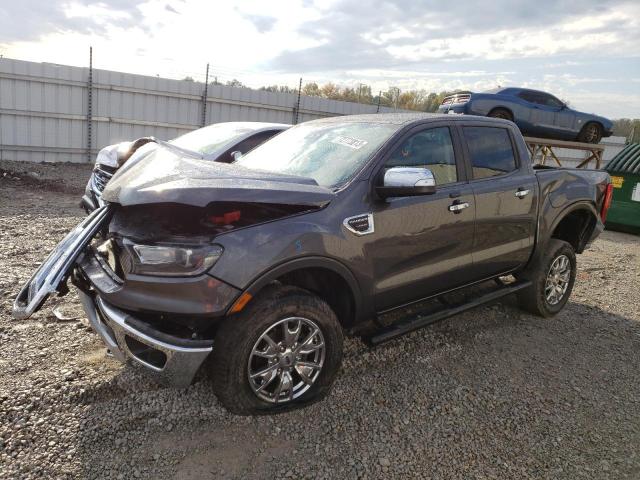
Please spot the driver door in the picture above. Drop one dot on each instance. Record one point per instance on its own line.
(421, 246)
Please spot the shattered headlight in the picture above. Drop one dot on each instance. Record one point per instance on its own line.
(171, 260)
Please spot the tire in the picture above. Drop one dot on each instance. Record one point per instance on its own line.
(501, 113)
(590, 133)
(535, 298)
(241, 348)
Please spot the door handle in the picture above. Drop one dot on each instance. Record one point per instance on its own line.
(522, 192)
(457, 206)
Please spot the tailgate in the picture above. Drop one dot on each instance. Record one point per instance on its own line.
(54, 270)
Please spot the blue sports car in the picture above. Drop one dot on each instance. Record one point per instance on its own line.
(536, 113)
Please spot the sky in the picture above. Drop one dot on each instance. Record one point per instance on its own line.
(586, 52)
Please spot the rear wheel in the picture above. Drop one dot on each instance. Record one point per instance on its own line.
(282, 351)
(501, 113)
(590, 133)
(552, 277)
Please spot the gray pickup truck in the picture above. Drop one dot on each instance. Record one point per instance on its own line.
(253, 271)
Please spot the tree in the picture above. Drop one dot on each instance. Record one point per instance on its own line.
(364, 94)
(311, 90)
(188, 79)
(391, 97)
(419, 100)
(235, 83)
(628, 128)
(279, 89)
(331, 91)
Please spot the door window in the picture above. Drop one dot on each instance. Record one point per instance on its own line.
(432, 149)
(531, 97)
(540, 98)
(490, 150)
(551, 101)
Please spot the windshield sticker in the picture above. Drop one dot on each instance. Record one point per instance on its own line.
(349, 142)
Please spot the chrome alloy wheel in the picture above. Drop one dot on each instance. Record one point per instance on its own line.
(557, 280)
(286, 360)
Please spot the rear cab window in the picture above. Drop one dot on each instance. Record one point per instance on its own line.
(490, 151)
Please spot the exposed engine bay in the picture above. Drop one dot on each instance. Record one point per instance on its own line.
(162, 222)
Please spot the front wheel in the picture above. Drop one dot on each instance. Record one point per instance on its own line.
(552, 277)
(282, 351)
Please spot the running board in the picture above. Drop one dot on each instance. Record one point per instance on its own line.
(413, 323)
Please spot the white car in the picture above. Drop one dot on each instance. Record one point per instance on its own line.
(221, 142)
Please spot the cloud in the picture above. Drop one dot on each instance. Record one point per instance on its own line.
(409, 32)
(22, 20)
(590, 46)
(263, 23)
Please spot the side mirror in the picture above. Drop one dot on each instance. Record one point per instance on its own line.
(236, 154)
(407, 182)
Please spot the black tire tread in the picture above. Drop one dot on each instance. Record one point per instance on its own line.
(239, 332)
(532, 298)
(581, 135)
(493, 112)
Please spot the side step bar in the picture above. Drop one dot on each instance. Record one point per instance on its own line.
(413, 323)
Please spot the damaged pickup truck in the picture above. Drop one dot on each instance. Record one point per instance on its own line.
(253, 271)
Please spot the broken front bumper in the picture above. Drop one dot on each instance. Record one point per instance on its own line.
(173, 360)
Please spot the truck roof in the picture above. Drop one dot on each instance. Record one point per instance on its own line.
(409, 118)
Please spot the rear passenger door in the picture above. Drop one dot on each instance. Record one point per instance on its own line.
(505, 199)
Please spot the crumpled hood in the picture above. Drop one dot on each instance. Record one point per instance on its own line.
(167, 175)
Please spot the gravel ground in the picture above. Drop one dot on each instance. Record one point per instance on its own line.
(493, 393)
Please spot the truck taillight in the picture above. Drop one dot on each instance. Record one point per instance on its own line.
(608, 195)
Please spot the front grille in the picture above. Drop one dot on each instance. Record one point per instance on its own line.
(101, 177)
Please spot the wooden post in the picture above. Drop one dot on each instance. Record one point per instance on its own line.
(545, 147)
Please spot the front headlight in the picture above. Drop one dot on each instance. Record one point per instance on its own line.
(171, 260)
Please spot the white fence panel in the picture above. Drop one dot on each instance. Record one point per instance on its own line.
(44, 108)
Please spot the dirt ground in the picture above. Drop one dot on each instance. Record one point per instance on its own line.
(492, 393)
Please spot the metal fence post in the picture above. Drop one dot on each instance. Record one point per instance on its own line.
(1, 137)
(204, 98)
(297, 109)
(89, 103)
